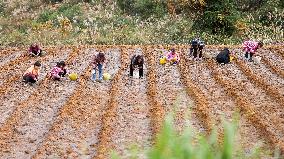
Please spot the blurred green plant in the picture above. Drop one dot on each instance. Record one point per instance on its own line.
(172, 144)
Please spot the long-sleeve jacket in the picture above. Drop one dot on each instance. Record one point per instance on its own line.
(98, 59)
(223, 57)
(250, 46)
(134, 61)
(34, 49)
(56, 71)
(33, 72)
(170, 56)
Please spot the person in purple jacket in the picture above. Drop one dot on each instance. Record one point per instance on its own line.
(35, 50)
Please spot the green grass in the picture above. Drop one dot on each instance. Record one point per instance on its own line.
(94, 23)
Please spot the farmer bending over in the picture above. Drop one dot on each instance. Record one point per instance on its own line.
(98, 63)
(224, 56)
(58, 71)
(31, 75)
(250, 47)
(197, 46)
(173, 57)
(137, 62)
(35, 50)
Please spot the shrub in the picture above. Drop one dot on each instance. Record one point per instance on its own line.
(219, 17)
(143, 8)
(2, 8)
(65, 10)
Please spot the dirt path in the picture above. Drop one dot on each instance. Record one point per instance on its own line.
(75, 131)
(27, 125)
(10, 99)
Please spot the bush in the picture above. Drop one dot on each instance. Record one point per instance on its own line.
(269, 15)
(219, 17)
(143, 8)
(2, 8)
(65, 10)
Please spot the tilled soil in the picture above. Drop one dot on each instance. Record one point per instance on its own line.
(30, 121)
(271, 110)
(172, 94)
(18, 91)
(132, 123)
(85, 119)
(75, 131)
(10, 57)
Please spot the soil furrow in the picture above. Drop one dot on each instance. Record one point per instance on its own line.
(270, 110)
(172, 93)
(157, 111)
(132, 125)
(261, 82)
(274, 68)
(200, 100)
(29, 122)
(14, 86)
(105, 144)
(246, 105)
(75, 131)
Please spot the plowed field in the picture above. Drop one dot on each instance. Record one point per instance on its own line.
(85, 119)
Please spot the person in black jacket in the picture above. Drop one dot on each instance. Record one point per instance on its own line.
(137, 62)
(224, 56)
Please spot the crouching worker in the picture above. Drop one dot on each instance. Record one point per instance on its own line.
(250, 47)
(173, 57)
(224, 56)
(137, 62)
(197, 46)
(58, 71)
(98, 63)
(31, 75)
(35, 50)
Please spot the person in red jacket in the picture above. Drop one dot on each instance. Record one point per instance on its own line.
(58, 71)
(31, 75)
(35, 50)
(250, 47)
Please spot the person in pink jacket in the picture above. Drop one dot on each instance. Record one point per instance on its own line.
(250, 47)
(58, 71)
(173, 57)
